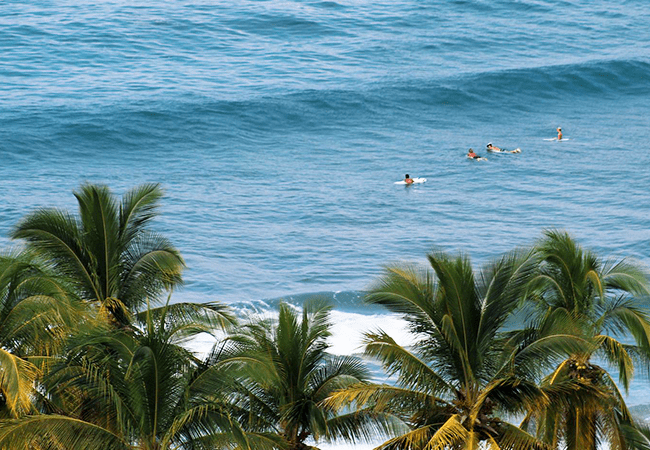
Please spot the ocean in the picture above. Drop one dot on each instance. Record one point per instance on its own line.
(278, 128)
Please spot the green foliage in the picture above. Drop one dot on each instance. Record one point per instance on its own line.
(36, 314)
(599, 300)
(458, 375)
(107, 252)
(130, 389)
(126, 382)
(285, 375)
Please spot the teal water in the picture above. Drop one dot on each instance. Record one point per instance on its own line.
(278, 128)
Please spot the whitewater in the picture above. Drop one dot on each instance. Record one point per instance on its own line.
(278, 128)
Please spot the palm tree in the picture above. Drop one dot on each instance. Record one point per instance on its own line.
(109, 254)
(285, 376)
(461, 376)
(37, 313)
(132, 389)
(598, 298)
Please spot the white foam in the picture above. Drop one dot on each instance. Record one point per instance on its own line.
(201, 345)
(415, 181)
(348, 329)
(347, 332)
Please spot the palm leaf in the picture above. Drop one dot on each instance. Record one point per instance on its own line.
(502, 286)
(414, 439)
(412, 370)
(364, 425)
(138, 208)
(17, 380)
(186, 320)
(617, 355)
(450, 435)
(71, 434)
(407, 291)
(514, 438)
(57, 236)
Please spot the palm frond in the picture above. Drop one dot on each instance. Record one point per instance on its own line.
(384, 398)
(502, 285)
(636, 436)
(204, 420)
(107, 252)
(185, 320)
(17, 383)
(137, 209)
(633, 320)
(512, 395)
(364, 426)
(57, 236)
(450, 435)
(460, 304)
(406, 290)
(626, 276)
(617, 355)
(396, 359)
(99, 218)
(71, 434)
(414, 439)
(514, 438)
(544, 351)
(337, 373)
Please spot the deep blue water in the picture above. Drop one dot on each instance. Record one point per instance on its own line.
(277, 128)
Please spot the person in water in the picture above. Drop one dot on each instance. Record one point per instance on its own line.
(492, 148)
(471, 154)
(407, 179)
(559, 133)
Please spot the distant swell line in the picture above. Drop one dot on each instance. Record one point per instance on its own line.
(204, 120)
(596, 77)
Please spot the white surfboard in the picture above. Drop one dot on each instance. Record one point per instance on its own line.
(555, 139)
(517, 150)
(415, 181)
(481, 158)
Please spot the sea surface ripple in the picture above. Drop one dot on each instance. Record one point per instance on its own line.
(277, 129)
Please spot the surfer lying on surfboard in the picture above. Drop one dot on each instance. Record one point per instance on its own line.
(493, 149)
(472, 155)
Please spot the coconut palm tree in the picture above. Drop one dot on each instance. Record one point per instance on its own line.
(37, 312)
(601, 299)
(461, 377)
(110, 255)
(285, 374)
(133, 389)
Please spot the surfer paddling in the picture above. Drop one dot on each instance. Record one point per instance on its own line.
(493, 149)
(472, 155)
(407, 179)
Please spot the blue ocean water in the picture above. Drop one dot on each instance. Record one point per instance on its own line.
(278, 128)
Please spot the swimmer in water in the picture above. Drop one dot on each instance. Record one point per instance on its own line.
(492, 148)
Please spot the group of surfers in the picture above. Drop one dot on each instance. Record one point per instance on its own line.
(490, 148)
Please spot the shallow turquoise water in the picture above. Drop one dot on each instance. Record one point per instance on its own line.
(278, 128)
